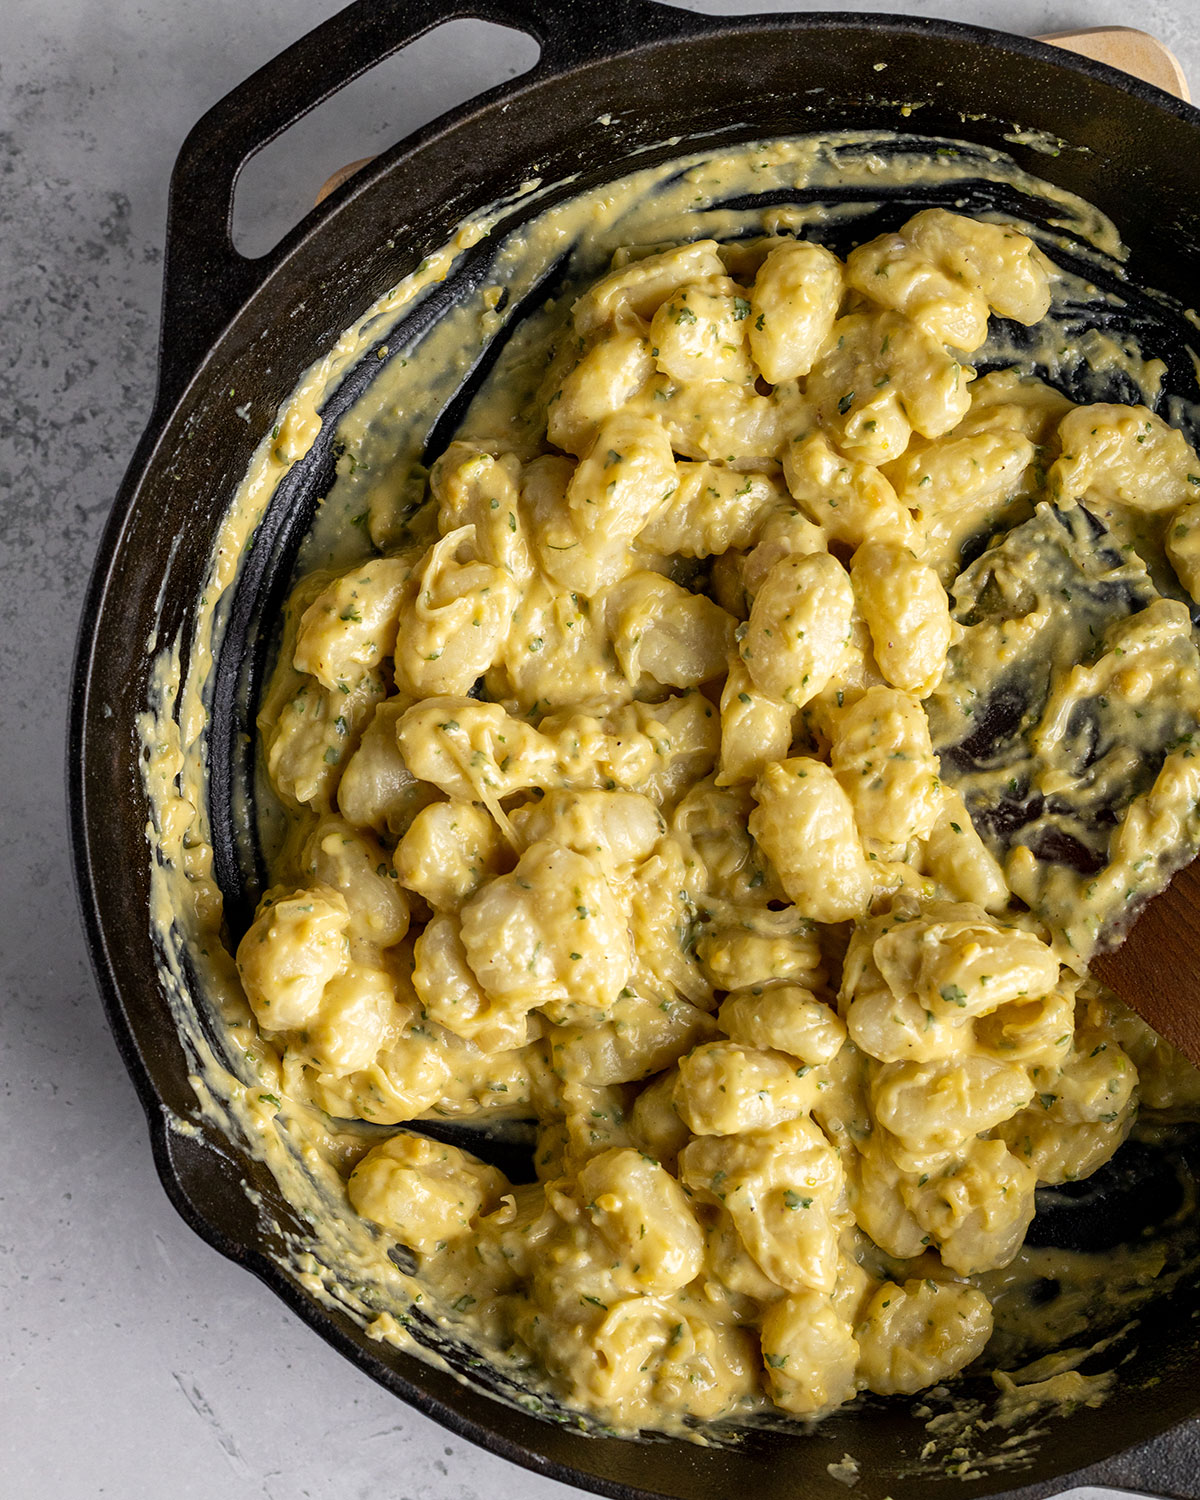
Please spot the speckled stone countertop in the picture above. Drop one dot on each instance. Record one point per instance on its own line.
(134, 1361)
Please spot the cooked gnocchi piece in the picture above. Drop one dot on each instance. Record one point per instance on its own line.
(851, 500)
(958, 859)
(884, 762)
(947, 273)
(350, 627)
(638, 288)
(377, 790)
(756, 729)
(754, 947)
(548, 935)
(642, 1212)
(354, 863)
(799, 626)
(600, 386)
(786, 1017)
(451, 995)
(810, 1353)
(976, 1207)
(460, 613)
(624, 479)
(1122, 455)
(713, 510)
(907, 613)
(449, 851)
(792, 306)
(296, 945)
(879, 379)
(725, 1088)
(783, 1187)
(931, 1108)
(423, 1192)
(958, 488)
(665, 633)
(917, 1334)
(804, 823)
(697, 333)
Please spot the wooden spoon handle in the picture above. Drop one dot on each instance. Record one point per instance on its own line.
(343, 174)
(1132, 51)
(1156, 970)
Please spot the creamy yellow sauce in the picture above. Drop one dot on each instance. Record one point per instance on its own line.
(689, 881)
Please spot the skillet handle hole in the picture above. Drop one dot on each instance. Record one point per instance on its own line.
(386, 104)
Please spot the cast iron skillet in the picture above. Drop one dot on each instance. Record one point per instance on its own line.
(254, 326)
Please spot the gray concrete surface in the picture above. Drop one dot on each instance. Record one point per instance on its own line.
(134, 1361)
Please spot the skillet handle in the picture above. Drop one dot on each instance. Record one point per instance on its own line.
(206, 279)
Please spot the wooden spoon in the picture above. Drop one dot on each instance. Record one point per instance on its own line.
(1132, 51)
(1156, 970)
